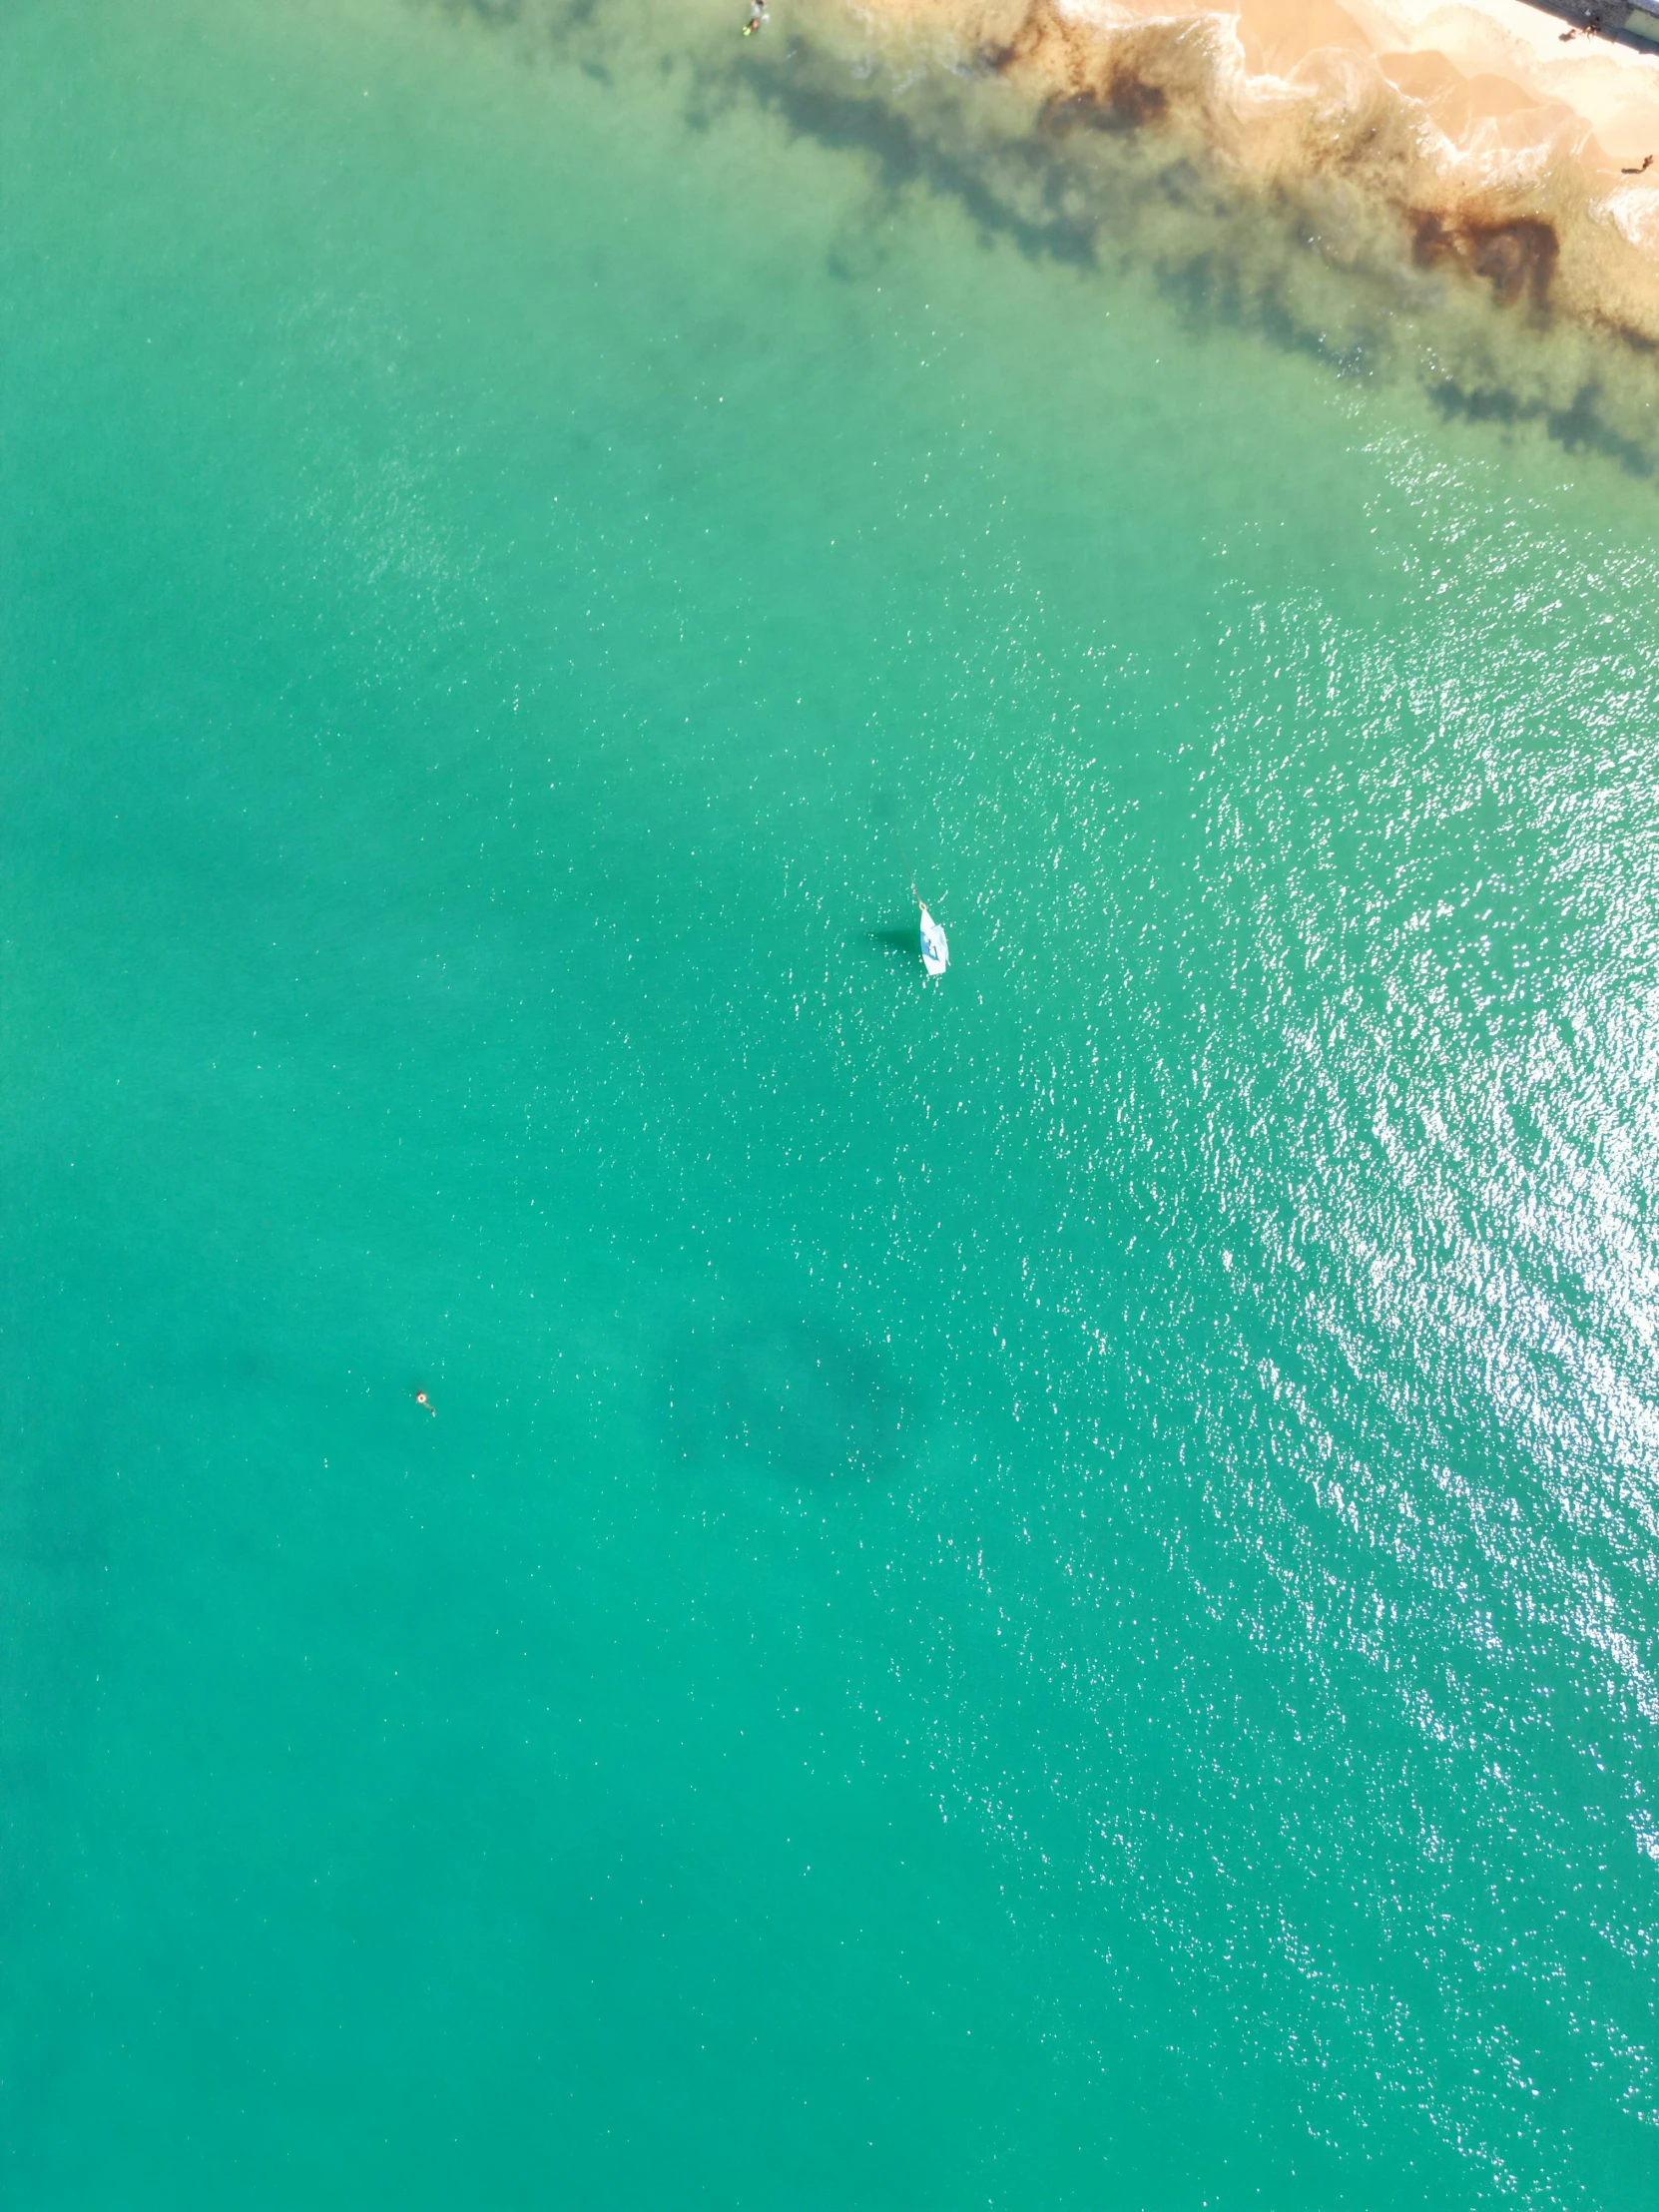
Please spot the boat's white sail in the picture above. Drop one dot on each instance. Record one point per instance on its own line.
(935, 953)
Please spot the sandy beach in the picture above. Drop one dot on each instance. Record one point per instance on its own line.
(1501, 139)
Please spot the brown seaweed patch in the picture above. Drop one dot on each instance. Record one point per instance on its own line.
(1126, 102)
(1116, 79)
(1517, 258)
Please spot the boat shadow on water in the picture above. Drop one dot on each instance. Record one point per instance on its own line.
(893, 938)
(793, 1397)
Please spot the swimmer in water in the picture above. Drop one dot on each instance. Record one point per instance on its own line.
(756, 16)
(1642, 171)
(422, 1400)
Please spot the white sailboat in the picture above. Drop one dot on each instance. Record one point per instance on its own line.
(935, 953)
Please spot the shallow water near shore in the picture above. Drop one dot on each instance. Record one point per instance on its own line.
(1031, 1592)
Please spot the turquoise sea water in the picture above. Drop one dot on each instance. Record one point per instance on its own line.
(1034, 1592)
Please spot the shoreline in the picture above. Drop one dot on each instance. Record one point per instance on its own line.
(1489, 74)
(1491, 142)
